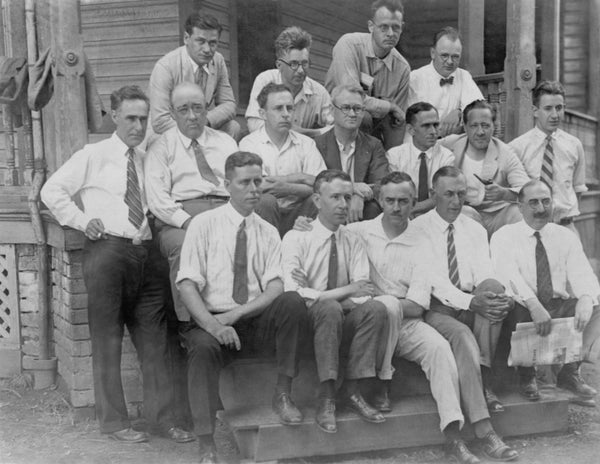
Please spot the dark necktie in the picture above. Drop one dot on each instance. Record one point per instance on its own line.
(546, 174)
(446, 81)
(200, 78)
(332, 273)
(205, 170)
(544, 278)
(423, 179)
(133, 197)
(452, 261)
(240, 266)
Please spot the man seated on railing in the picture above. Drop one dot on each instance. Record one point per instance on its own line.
(231, 283)
(359, 155)
(443, 84)
(492, 170)
(312, 104)
(329, 267)
(552, 155)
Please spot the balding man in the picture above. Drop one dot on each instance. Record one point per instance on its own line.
(185, 172)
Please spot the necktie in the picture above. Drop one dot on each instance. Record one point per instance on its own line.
(446, 81)
(205, 170)
(200, 78)
(544, 278)
(452, 261)
(546, 174)
(240, 266)
(332, 273)
(133, 197)
(423, 179)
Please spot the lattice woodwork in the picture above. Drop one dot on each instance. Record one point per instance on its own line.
(9, 309)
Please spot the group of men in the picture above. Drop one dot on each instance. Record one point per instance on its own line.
(309, 237)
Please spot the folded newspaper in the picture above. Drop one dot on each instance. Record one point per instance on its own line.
(562, 345)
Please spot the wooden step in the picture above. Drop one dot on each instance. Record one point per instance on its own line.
(414, 421)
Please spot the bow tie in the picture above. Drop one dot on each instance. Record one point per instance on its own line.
(447, 80)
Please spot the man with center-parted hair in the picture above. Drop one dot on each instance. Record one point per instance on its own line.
(312, 105)
(119, 268)
(328, 267)
(231, 283)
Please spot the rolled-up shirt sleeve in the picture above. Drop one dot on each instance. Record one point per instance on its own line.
(193, 256)
(273, 265)
(419, 289)
(292, 252)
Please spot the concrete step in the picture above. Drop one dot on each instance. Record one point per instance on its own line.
(414, 421)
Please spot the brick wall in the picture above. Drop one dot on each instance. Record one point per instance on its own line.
(28, 299)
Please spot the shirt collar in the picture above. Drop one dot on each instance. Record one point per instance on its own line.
(322, 233)
(542, 135)
(236, 218)
(120, 146)
(439, 222)
(409, 237)
(341, 146)
(195, 65)
(530, 231)
(187, 142)
(440, 76)
(263, 137)
(307, 88)
(428, 153)
(388, 60)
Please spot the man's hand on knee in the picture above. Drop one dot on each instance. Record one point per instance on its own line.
(227, 336)
(540, 317)
(583, 312)
(490, 305)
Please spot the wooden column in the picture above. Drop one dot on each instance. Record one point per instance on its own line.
(470, 25)
(550, 38)
(519, 66)
(594, 72)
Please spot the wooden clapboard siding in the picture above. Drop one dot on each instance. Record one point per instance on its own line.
(575, 44)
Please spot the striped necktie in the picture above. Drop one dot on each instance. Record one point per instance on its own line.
(133, 197)
(203, 167)
(200, 77)
(423, 179)
(332, 273)
(452, 261)
(546, 174)
(545, 290)
(240, 266)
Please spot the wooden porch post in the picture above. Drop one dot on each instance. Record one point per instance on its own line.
(550, 38)
(470, 25)
(594, 72)
(519, 66)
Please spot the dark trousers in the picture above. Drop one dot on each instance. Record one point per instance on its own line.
(350, 339)
(269, 210)
(280, 327)
(123, 289)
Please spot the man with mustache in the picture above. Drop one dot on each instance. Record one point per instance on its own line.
(290, 160)
(119, 268)
(312, 104)
(546, 267)
(359, 155)
(423, 155)
(550, 154)
(493, 172)
(443, 84)
(199, 62)
(231, 282)
(371, 61)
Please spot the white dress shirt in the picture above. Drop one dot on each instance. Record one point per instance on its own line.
(472, 254)
(172, 173)
(396, 265)
(475, 188)
(312, 105)
(308, 251)
(405, 158)
(97, 175)
(568, 174)
(425, 86)
(347, 157)
(513, 255)
(207, 255)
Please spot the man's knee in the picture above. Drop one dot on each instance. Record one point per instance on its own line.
(201, 346)
(489, 285)
(170, 240)
(392, 305)
(372, 311)
(292, 307)
(328, 312)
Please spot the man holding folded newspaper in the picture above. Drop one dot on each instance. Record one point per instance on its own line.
(544, 264)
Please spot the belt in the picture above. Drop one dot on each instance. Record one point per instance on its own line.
(206, 197)
(566, 221)
(132, 241)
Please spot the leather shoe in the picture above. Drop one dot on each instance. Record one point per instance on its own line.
(493, 403)
(570, 379)
(458, 450)
(129, 436)
(208, 455)
(179, 435)
(381, 399)
(357, 404)
(528, 388)
(495, 449)
(285, 408)
(325, 415)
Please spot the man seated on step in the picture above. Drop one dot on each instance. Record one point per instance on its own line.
(231, 283)
(423, 155)
(312, 104)
(492, 170)
(290, 160)
(545, 265)
(328, 266)
(359, 155)
(467, 301)
(185, 171)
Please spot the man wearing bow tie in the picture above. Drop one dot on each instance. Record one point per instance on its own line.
(443, 84)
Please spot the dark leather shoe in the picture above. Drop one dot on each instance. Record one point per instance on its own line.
(570, 379)
(179, 435)
(325, 415)
(285, 408)
(495, 449)
(129, 436)
(208, 455)
(493, 403)
(528, 388)
(459, 451)
(357, 404)
(381, 399)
